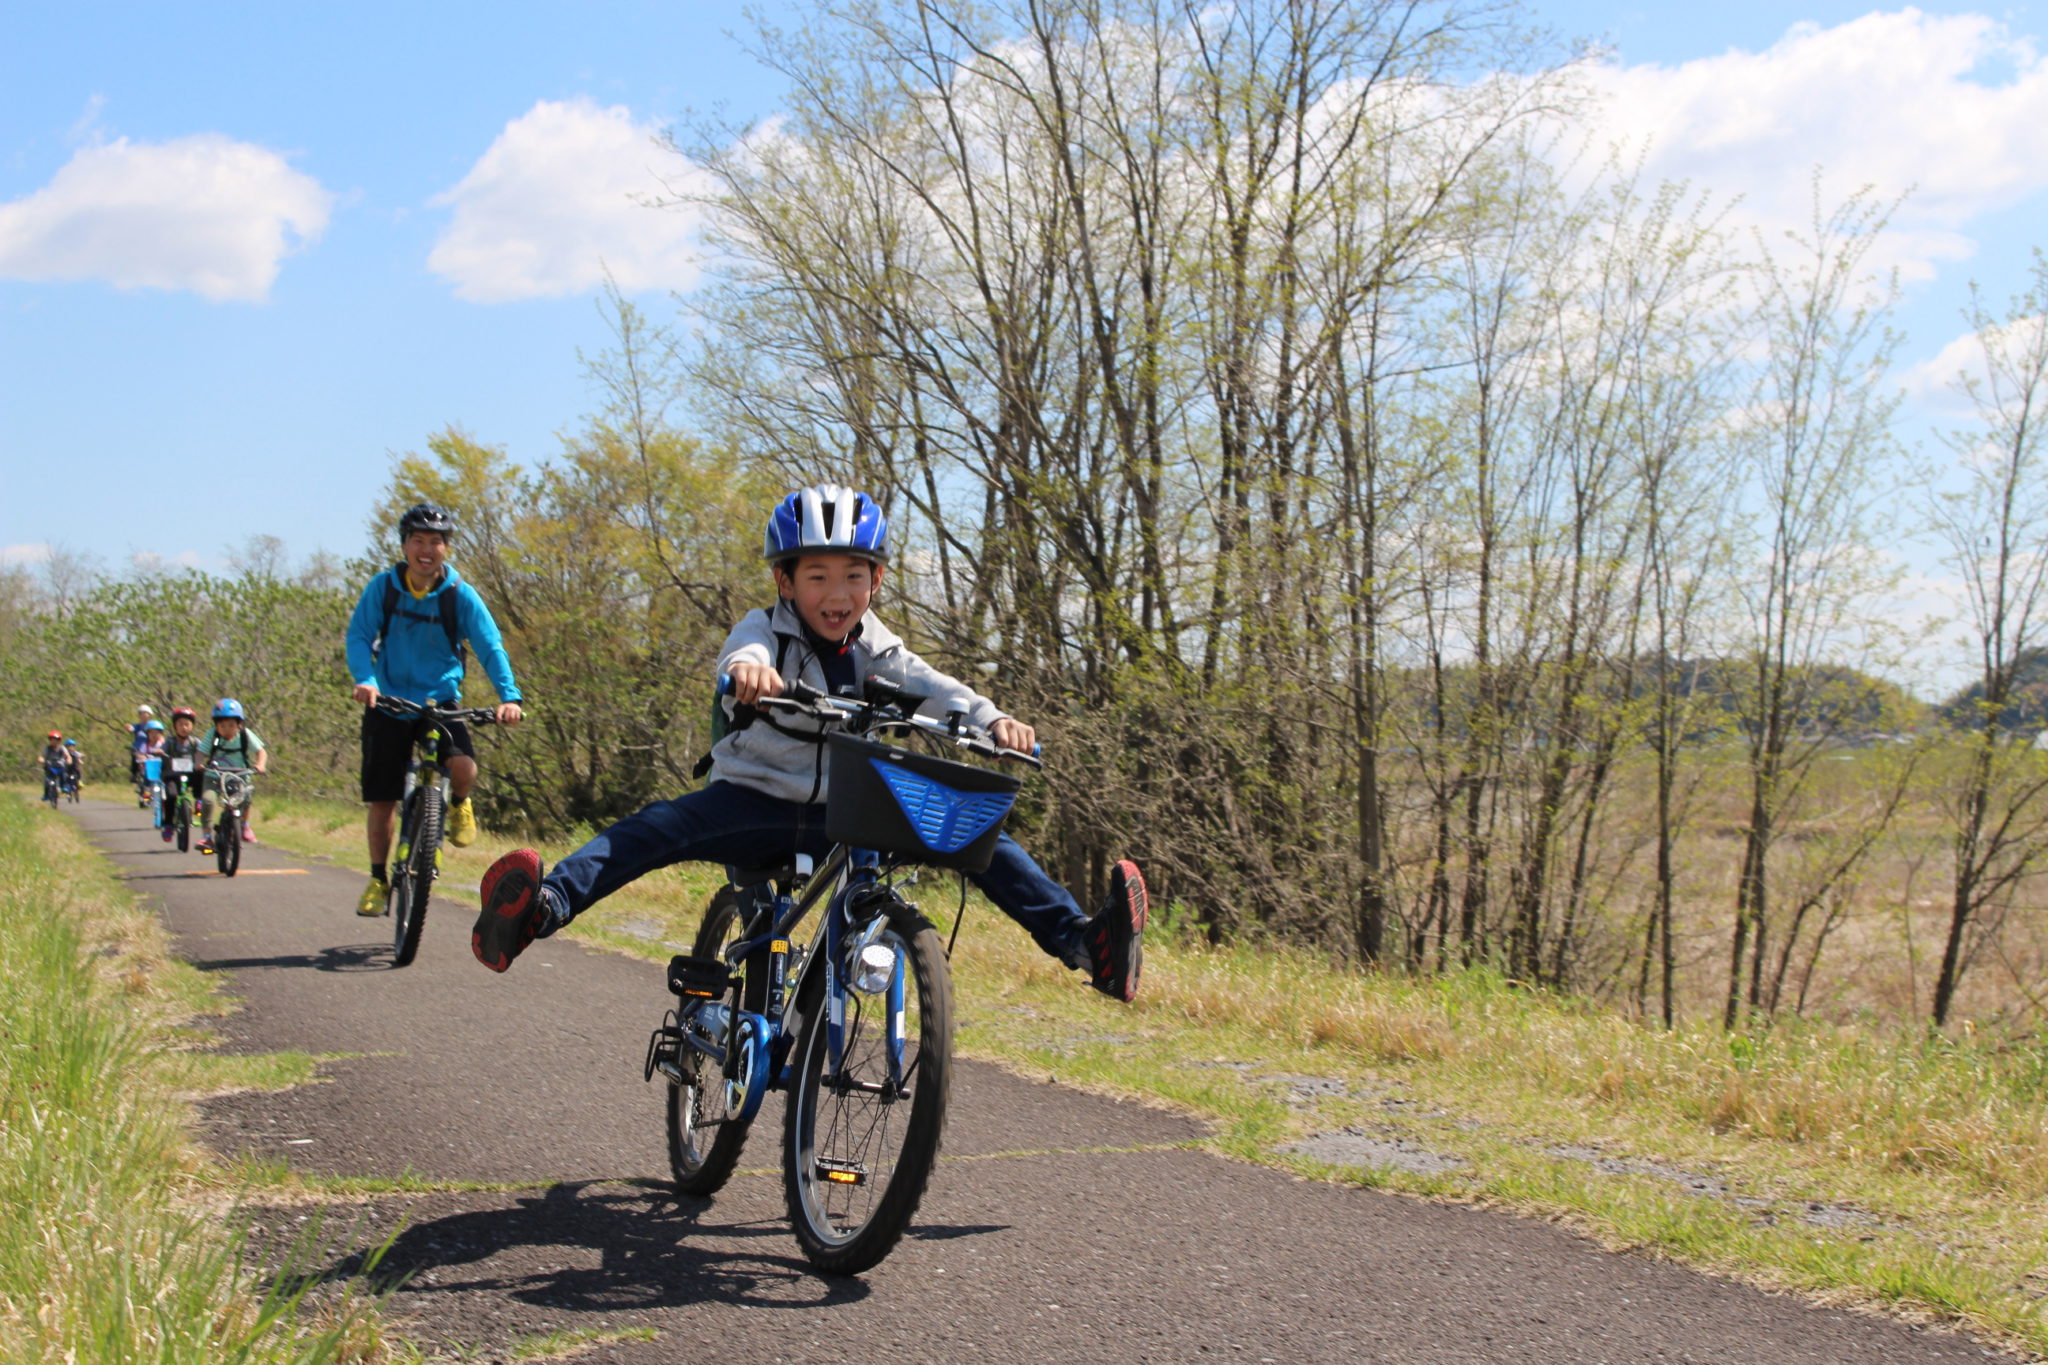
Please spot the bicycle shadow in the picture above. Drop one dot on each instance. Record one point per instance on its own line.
(654, 1250)
(343, 957)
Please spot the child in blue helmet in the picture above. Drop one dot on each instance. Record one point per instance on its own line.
(828, 550)
(231, 745)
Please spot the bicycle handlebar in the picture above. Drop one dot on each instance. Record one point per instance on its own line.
(399, 706)
(883, 715)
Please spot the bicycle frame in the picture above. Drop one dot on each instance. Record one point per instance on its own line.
(714, 1027)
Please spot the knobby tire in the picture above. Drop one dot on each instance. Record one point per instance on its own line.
(409, 907)
(893, 1142)
(184, 822)
(227, 843)
(704, 1139)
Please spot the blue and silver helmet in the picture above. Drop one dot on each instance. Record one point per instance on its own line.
(827, 519)
(227, 708)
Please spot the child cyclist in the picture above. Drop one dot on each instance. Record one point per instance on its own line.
(179, 744)
(231, 745)
(827, 548)
(407, 638)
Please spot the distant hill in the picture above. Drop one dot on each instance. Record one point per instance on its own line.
(2026, 711)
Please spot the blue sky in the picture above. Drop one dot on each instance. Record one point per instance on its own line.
(398, 234)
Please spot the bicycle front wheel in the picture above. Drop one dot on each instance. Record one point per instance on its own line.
(705, 1137)
(227, 843)
(860, 1141)
(415, 881)
(184, 824)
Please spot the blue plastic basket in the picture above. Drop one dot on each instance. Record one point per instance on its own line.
(918, 807)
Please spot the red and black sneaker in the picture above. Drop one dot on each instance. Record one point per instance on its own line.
(1115, 936)
(513, 911)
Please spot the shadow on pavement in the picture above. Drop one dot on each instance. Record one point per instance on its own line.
(652, 1250)
(344, 957)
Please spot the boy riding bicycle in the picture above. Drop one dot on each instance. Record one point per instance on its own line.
(232, 745)
(406, 638)
(54, 763)
(827, 548)
(179, 744)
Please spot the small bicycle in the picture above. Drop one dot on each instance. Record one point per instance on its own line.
(416, 861)
(53, 783)
(858, 1027)
(174, 805)
(233, 788)
(149, 786)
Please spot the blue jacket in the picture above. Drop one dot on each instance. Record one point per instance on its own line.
(416, 663)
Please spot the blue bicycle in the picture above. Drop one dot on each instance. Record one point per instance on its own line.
(857, 1027)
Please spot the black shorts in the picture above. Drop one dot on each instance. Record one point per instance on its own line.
(387, 751)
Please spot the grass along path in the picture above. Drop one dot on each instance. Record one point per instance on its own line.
(112, 1244)
(1870, 1166)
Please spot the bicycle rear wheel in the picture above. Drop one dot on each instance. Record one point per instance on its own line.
(705, 1137)
(414, 881)
(858, 1148)
(227, 843)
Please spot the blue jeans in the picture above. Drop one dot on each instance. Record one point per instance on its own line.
(738, 826)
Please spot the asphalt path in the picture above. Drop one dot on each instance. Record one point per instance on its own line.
(1061, 1226)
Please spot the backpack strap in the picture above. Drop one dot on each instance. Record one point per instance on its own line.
(444, 600)
(723, 725)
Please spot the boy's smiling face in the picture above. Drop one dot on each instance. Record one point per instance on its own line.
(830, 592)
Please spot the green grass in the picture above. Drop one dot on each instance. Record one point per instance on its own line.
(1931, 1152)
(112, 1246)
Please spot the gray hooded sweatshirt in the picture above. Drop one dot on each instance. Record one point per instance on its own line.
(791, 767)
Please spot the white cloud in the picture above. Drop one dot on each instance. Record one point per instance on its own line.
(36, 552)
(204, 213)
(561, 197)
(1897, 101)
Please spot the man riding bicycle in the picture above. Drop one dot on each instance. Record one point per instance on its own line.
(407, 638)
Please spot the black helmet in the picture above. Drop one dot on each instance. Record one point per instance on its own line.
(426, 517)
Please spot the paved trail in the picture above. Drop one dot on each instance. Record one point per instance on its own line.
(1060, 1226)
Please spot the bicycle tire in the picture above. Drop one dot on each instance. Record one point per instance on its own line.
(887, 1143)
(184, 823)
(409, 909)
(156, 806)
(705, 1139)
(227, 843)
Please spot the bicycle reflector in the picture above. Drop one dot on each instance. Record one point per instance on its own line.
(921, 808)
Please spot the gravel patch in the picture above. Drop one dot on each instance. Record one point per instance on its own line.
(1356, 1147)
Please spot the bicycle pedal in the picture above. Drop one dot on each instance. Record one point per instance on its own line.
(698, 978)
(841, 1172)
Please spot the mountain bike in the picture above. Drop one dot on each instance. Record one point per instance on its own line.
(175, 806)
(416, 861)
(233, 788)
(856, 1027)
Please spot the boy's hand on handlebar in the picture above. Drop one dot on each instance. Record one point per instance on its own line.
(509, 713)
(1014, 734)
(751, 682)
(366, 693)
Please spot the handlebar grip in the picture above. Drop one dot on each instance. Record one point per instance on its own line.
(724, 684)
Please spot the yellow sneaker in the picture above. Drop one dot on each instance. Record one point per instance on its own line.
(374, 894)
(462, 823)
